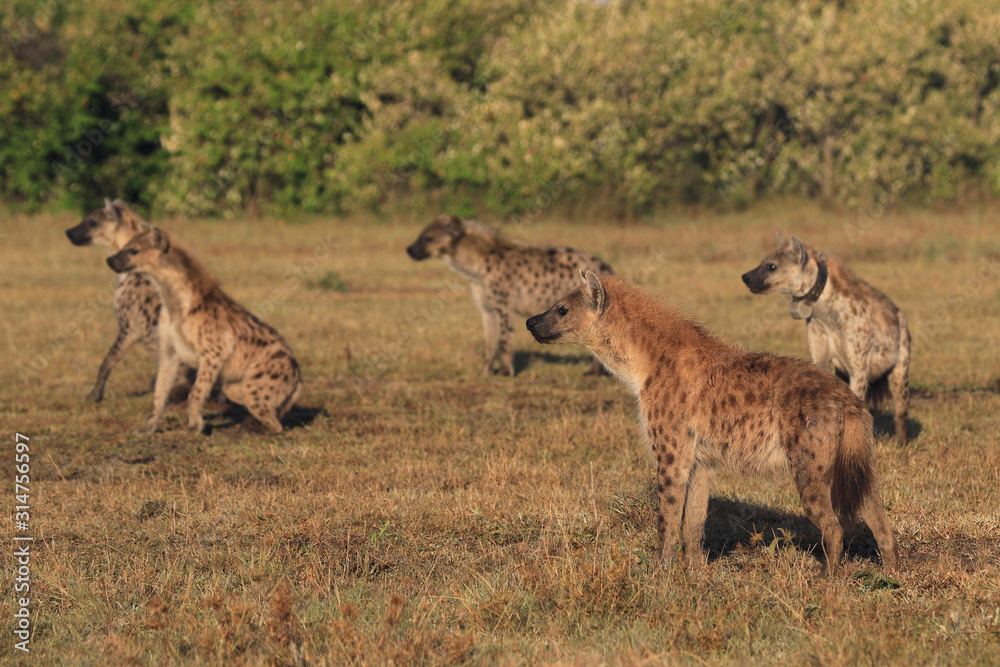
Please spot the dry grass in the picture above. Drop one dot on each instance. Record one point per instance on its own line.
(426, 514)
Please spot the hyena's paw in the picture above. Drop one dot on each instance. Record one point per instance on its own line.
(697, 558)
(95, 396)
(668, 558)
(148, 427)
(196, 425)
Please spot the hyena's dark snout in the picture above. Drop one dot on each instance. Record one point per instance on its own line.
(540, 329)
(118, 263)
(416, 251)
(78, 235)
(755, 281)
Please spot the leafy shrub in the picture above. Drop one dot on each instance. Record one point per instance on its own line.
(329, 105)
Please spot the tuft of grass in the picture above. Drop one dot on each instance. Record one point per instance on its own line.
(420, 513)
(331, 281)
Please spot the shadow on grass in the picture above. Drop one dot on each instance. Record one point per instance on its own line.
(236, 416)
(733, 523)
(884, 425)
(523, 359)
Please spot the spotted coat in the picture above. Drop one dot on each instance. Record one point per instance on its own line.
(136, 303)
(509, 280)
(851, 325)
(705, 403)
(204, 328)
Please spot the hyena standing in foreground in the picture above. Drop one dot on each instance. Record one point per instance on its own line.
(848, 322)
(509, 279)
(206, 329)
(136, 303)
(705, 403)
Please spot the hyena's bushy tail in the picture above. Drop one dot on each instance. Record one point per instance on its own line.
(854, 465)
(292, 396)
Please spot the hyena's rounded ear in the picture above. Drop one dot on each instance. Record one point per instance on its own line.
(595, 290)
(160, 239)
(800, 248)
(454, 227)
(781, 239)
(111, 208)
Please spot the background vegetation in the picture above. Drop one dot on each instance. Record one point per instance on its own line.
(213, 108)
(423, 514)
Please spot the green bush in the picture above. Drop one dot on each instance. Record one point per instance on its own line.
(86, 104)
(329, 105)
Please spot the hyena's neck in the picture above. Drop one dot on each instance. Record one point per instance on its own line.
(469, 257)
(174, 291)
(640, 338)
(126, 231)
(809, 275)
(180, 281)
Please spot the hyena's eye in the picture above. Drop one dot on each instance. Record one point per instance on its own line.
(772, 267)
(427, 239)
(133, 251)
(93, 223)
(562, 310)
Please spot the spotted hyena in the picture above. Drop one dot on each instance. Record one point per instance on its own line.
(509, 279)
(848, 322)
(207, 330)
(706, 403)
(136, 303)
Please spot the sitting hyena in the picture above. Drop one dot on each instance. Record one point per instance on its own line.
(705, 403)
(207, 330)
(848, 322)
(137, 305)
(508, 278)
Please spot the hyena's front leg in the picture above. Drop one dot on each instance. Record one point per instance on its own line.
(208, 372)
(491, 327)
(505, 346)
(695, 511)
(819, 346)
(127, 337)
(860, 379)
(672, 470)
(491, 339)
(899, 383)
(858, 361)
(166, 375)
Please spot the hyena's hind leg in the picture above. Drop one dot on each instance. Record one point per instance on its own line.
(815, 494)
(899, 383)
(871, 513)
(269, 389)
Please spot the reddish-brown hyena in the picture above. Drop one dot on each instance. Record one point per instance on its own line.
(706, 403)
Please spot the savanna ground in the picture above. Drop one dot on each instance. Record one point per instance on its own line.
(418, 512)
